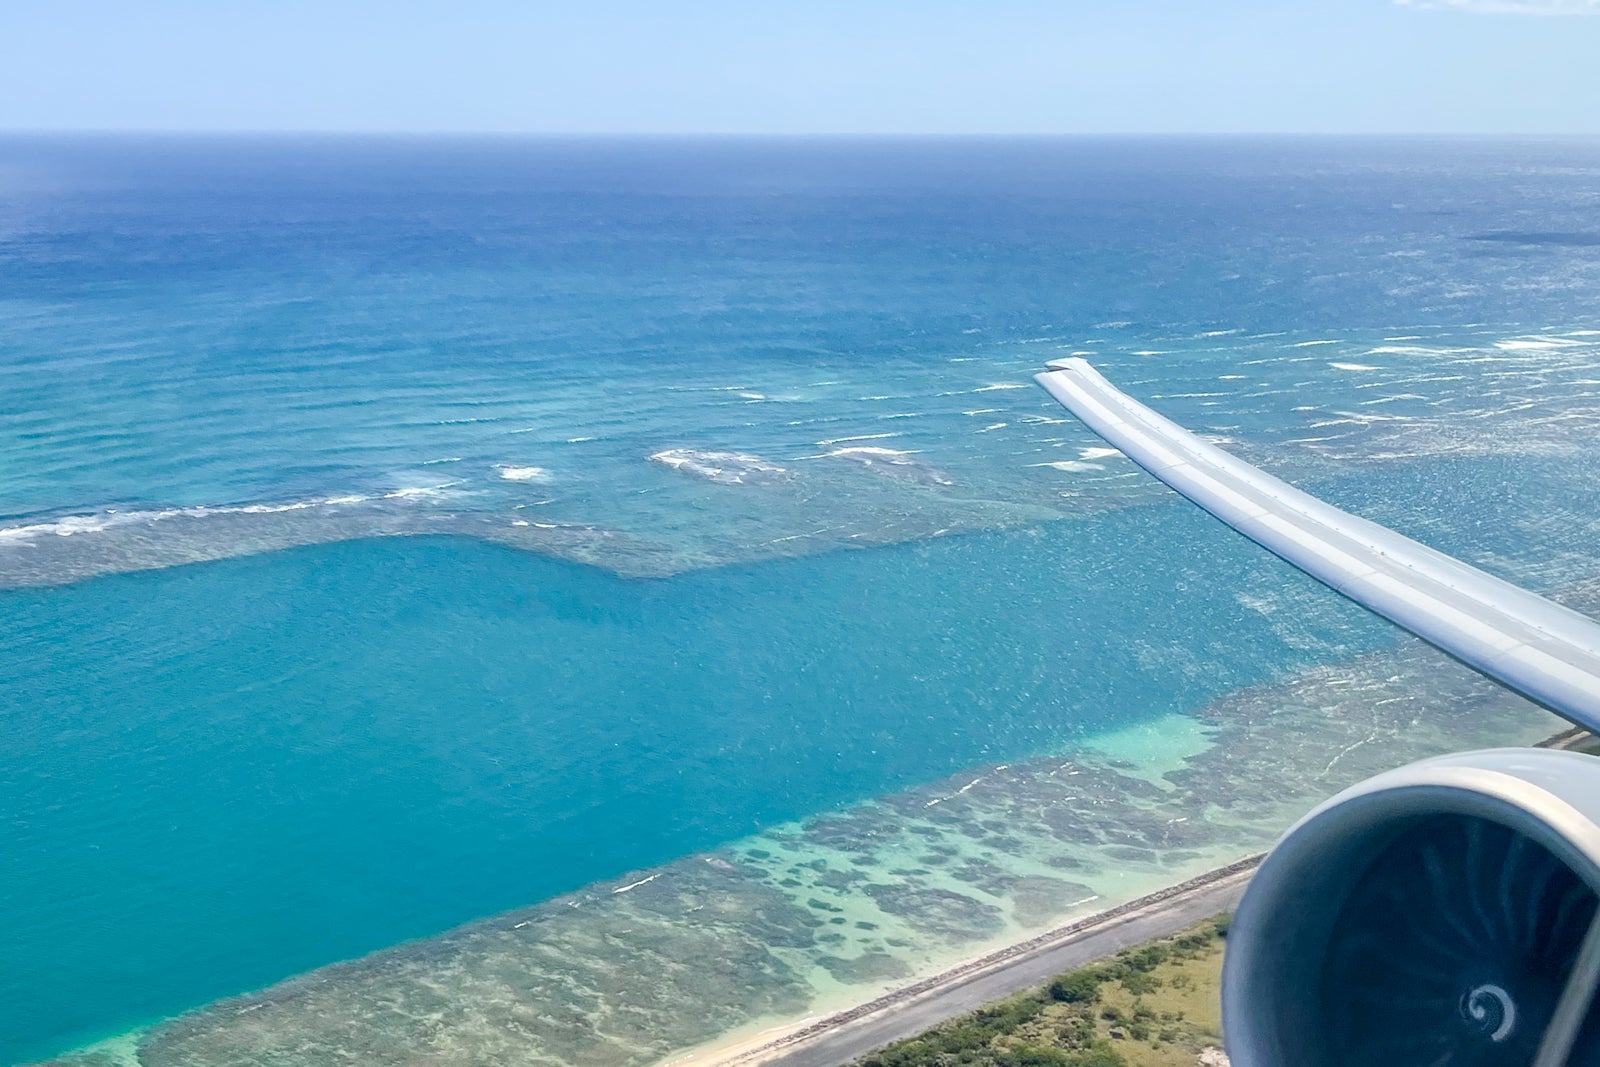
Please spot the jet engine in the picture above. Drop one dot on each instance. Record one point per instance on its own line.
(1439, 914)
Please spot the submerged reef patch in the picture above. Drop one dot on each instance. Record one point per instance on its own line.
(832, 910)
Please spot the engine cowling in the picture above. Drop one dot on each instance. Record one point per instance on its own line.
(1428, 916)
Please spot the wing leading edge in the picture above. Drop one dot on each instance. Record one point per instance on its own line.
(1548, 653)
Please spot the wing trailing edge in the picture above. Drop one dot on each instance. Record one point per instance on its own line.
(1548, 653)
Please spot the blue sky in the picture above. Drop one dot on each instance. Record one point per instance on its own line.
(774, 66)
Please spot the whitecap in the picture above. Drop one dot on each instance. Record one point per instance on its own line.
(857, 437)
(1000, 385)
(1077, 465)
(1099, 452)
(513, 473)
(1352, 366)
(635, 885)
(873, 450)
(1412, 350)
(416, 492)
(894, 463)
(72, 524)
(724, 468)
(1312, 344)
(1524, 344)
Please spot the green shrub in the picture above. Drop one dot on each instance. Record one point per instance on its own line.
(1148, 958)
(1139, 983)
(1101, 1056)
(1035, 1056)
(1078, 987)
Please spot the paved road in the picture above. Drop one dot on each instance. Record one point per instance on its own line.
(843, 1038)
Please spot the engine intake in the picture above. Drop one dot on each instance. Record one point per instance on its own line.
(1430, 916)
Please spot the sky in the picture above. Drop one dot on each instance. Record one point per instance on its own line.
(802, 66)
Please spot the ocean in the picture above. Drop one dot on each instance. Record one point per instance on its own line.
(574, 600)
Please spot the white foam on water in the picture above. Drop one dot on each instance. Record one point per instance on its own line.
(857, 437)
(635, 885)
(259, 509)
(74, 525)
(999, 386)
(1311, 344)
(421, 492)
(522, 474)
(1413, 350)
(67, 527)
(1352, 366)
(1098, 452)
(875, 451)
(1527, 344)
(893, 461)
(1077, 465)
(724, 468)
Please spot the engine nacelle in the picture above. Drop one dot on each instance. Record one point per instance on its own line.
(1427, 916)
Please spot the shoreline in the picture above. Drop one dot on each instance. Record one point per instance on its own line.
(987, 977)
(841, 1036)
(723, 882)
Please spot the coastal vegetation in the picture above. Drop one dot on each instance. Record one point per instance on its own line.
(1154, 1005)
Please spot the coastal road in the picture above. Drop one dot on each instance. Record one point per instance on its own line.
(908, 1012)
(839, 1039)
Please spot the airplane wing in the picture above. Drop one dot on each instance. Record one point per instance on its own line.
(1548, 653)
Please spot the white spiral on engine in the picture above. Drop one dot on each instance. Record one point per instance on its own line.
(1492, 1009)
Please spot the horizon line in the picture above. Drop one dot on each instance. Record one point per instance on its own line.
(65, 131)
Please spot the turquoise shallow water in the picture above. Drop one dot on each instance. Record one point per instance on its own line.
(361, 743)
(398, 533)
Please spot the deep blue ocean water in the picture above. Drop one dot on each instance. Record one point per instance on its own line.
(728, 498)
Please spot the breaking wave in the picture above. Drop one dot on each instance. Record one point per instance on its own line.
(724, 468)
